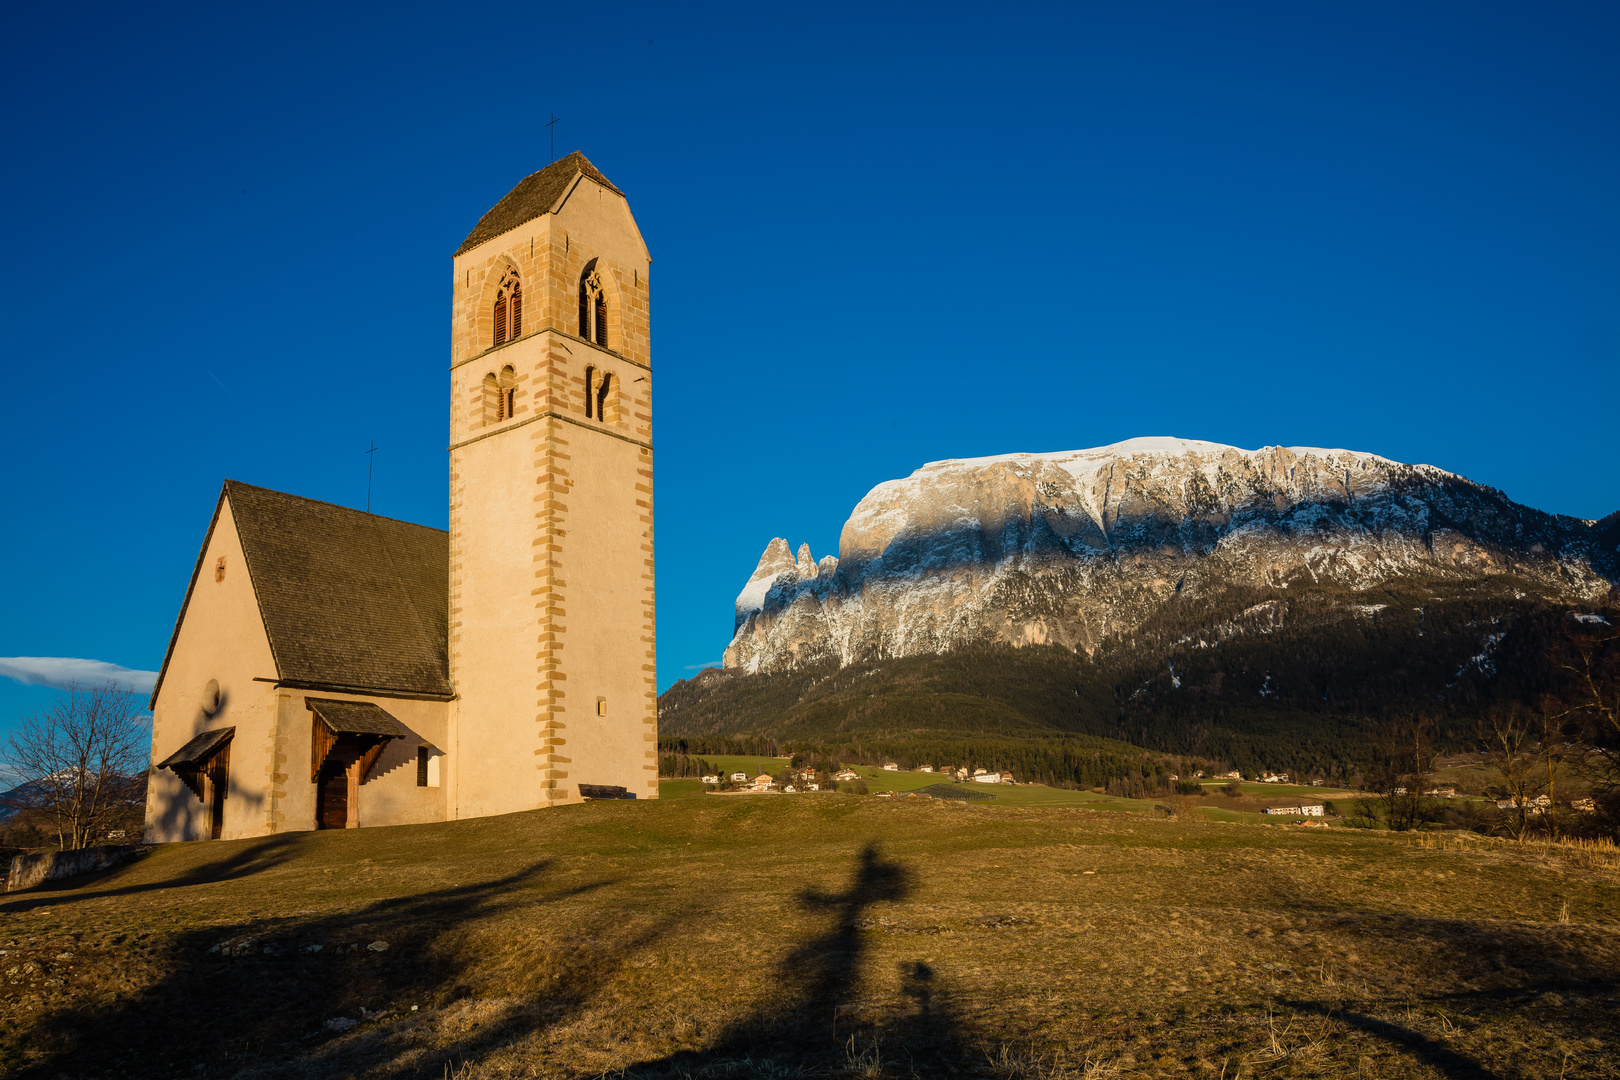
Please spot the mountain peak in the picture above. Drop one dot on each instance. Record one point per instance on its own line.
(1072, 546)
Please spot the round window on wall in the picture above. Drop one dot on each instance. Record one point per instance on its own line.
(211, 697)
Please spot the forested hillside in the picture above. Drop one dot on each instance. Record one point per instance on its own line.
(1252, 678)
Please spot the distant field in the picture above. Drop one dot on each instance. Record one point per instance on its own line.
(1213, 807)
(822, 935)
(753, 766)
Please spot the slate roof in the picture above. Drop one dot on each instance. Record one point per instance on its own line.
(198, 749)
(534, 195)
(350, 600)
(356, 718)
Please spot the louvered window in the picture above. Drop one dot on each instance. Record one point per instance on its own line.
(590, 390)
(601, 319)
(421, 766)
(509, 403)
(509, 309)
(602, 396)
(584, 313)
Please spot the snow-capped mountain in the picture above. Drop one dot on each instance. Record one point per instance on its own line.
(1075, 546)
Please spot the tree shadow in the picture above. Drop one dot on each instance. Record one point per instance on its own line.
(1493, 966)
(251, 857)
(259, 997)
(821, 1025)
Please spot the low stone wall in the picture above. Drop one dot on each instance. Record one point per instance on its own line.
(30, 870)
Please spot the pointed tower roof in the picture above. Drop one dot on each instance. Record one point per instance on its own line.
(534, 195)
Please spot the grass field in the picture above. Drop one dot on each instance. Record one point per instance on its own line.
(1213, 806)
(822, 935)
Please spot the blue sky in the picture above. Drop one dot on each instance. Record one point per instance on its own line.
(881, 236)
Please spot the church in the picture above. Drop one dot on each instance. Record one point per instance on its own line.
(331, 668)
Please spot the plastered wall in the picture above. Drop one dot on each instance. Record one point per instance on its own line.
(390, 796)
(221, 638)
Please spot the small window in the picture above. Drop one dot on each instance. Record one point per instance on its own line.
(492, 399)
(219, 569)
(509, 309)
(599, 387)
(421, 766)
(506, 394)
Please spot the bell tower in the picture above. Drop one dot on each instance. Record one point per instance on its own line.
(551, 501)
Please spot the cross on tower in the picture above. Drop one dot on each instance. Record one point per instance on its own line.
(370, 462)
(551, 128)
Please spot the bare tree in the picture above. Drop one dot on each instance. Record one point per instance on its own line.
(1397, 761)
(80, 761)
(1587, 655)
(1516, 755)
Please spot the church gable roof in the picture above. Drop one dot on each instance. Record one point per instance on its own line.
(349, 599)
(534, 195)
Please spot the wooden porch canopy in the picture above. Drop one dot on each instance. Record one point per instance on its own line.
(366, 724)
(206, 752)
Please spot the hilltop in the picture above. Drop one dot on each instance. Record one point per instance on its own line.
(815, 936)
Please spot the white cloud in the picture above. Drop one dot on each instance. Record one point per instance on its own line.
(61, 671)
(689, 667)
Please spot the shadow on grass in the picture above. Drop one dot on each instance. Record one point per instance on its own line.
(251, 858)
(258, 998)
(1545, 979)
(821, 1025)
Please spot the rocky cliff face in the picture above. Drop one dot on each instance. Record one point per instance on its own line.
(1072, 547)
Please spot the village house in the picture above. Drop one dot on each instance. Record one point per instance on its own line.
(846, 774)
(1441, 793)
(925, 768)
(1585, 806)
(889, 766)
(790, 790)
(1295, 809)
(711, 779)
(982, 777)
(739, 778)
(812, 787)
(1274, 778)
(1233, 775)
(331, 668)
(764, 782)
(1537, 805)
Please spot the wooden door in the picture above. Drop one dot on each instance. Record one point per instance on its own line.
(219, 781)
(332, 796)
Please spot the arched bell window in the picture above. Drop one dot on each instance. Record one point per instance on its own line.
(593, 312)
(506, 403)
(509, 308)
(599, 388)
(500, 395)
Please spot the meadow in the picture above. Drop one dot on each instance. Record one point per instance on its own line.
(822, 935)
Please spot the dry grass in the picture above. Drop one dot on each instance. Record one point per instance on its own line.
(818, 937)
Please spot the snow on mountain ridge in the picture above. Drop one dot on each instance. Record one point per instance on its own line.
(1069, 546)
(1157, 444)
